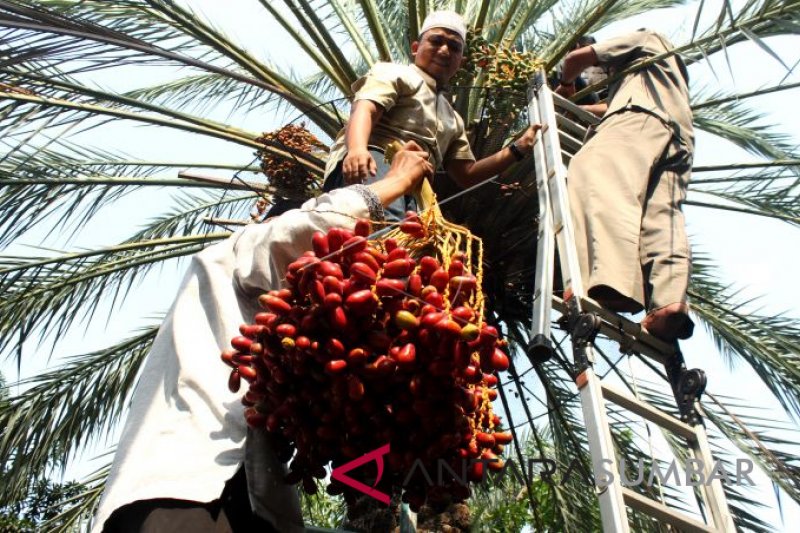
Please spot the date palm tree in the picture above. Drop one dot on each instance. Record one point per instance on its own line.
(76, 74)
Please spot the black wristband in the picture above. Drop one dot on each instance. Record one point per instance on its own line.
(518, 155)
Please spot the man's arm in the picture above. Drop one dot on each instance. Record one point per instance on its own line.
(262, 251)
(576, 62)
(468, 173)
(598, 109)
(358, 164)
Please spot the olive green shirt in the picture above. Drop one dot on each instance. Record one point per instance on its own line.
(413, 109)
(660, 88)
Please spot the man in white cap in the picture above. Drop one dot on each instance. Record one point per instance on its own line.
(394, 102)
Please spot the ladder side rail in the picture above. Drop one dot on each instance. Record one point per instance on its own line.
(712, 491)
(545, 247)
(557, 182)
(613, 514)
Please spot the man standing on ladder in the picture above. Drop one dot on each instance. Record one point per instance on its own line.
(626, 185)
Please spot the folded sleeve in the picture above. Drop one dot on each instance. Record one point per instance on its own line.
(385, 83)
(627, 48)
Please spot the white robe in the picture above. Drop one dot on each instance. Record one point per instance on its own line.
(185, 433)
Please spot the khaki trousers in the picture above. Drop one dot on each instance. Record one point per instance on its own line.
(626, 186)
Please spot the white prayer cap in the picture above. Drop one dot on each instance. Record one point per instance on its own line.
(449, 20)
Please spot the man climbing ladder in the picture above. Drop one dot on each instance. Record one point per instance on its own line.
(627, 183)
(584, 319)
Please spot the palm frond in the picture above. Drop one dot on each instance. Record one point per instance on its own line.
(736, 123)
(78, 510)
(770, 344)
(63, 410)
(44, 296)
(92, 39)
(71, 183)
(772, 192)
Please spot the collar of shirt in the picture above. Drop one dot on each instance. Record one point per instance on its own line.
(430, 81)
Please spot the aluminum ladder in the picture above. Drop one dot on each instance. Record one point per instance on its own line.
(584, 319)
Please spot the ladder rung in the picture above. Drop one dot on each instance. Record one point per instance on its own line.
(576, 130)
(662, 512)
(576, 110)
(623, 330)
(649, 412)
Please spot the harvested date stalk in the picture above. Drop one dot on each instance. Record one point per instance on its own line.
(374, 342)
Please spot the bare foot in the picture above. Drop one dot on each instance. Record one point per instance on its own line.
(670, 322)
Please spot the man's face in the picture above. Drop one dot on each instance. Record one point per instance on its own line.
(440, 53)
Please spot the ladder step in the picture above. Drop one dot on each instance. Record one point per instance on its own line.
(649, 412)
(628, 334)
(662, 512)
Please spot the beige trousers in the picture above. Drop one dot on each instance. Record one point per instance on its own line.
(626, 186)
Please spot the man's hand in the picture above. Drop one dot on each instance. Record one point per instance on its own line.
(526, 141)
(357, 165)
(409, 166)
(565, 90)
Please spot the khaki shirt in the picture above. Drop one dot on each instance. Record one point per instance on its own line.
(660, 88)
(412, 110)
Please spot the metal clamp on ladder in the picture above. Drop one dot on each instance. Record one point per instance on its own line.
(584, 319)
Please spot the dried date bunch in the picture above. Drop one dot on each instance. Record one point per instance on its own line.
(281, 160)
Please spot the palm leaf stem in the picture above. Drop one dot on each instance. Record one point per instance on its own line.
(507, 19)
(740, 166)
(308, 48)
(520, 458)
(482, 12)
(742, 96)
(115, 181)
(534, 9)
(128, 246)
(422, 10)
(787, 218)
(123, 100)
(201, 31)
(353, 32)
(338, 58)
(733, 179)
(171, 164)
(376, 29)
(229, 183)
(413, 18)
(312, 163)
(779, 465)
(120, 113)
(296, 96)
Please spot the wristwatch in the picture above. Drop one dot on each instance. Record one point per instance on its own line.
(519, 155)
